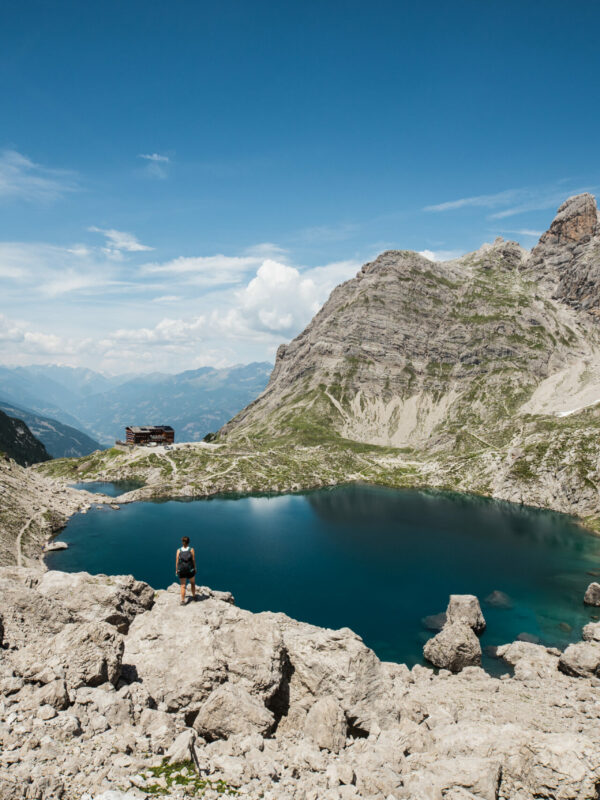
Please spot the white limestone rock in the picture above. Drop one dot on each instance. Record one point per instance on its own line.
(326, 724)
(581, 659)
(465, 608)
(115, 599)
(591, 632)
(454, 648)
(592, 594)
(529, 660)
(231, 710)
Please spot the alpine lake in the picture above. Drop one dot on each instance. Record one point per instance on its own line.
(376, 560)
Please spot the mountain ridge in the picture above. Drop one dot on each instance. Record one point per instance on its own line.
(479, 374)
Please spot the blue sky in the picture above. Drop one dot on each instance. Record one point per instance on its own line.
(183, 183)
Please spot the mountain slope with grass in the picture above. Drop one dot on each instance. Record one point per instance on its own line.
(18, 442)
(479, 374)
(60, 440)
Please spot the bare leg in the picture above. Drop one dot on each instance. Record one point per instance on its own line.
(193, 587)
(182, 581)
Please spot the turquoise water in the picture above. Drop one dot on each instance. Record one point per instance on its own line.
(373, 559)
(113, 489)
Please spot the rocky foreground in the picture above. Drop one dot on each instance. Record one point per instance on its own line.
(109, 689)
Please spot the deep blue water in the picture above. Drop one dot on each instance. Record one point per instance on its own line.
(113, 489)
(373, 559)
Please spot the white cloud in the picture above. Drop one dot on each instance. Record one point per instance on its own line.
(519, 201)
(167, 298)
(31, 268)
(156, 166)
(154, 157)
(485, 200)
(119, 241)
(441, 255)
(204, 270)
(523, 232)
(266, 250)
(23, 178)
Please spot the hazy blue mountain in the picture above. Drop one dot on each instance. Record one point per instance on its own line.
(18, 442)
(194, 402)
(59, 440)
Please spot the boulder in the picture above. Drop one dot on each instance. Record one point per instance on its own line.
(182, 653)
(529, 660)
(592, 594)
(182, 748)
(591, 632)
(231, 710)
(99, 598)
(335, 663)
(465, 608)
(498, 599)
(326, 725)
(454, 648)
(27, 616)
(54, 694)
(86, 654)
(582, 660)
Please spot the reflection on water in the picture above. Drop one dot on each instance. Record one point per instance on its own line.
(373, 559)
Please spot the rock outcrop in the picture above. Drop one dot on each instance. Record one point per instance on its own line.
(455, 647)
(465, 608)
(592, 595)
(211, 698)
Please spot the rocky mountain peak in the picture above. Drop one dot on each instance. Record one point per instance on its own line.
(576, 219)
(566, 259)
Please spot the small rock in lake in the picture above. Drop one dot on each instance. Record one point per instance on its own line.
(564, 626)
(498, 599)
(56, 546)
(434, 622)
(528, 637)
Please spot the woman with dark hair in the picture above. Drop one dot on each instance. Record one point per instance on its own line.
(185, 567)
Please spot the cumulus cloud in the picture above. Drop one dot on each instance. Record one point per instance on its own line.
(22, 178)
(118, 242)
(440, 255)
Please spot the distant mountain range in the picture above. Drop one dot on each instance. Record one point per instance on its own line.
(60, 440)
(98, 407)
(17, 441)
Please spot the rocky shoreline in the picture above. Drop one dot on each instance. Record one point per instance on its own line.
(111, 690)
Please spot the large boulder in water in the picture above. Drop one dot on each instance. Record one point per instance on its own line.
(581, 660)
(465, 608)
(454, 648)
(592, 594)
(591, 632)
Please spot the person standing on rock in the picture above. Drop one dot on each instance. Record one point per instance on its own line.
(185, 567)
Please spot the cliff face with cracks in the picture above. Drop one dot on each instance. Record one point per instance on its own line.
(111, 691)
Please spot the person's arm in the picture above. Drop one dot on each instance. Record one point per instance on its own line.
(176, 562)
(194, 558)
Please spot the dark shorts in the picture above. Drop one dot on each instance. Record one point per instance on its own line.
(186, 573)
